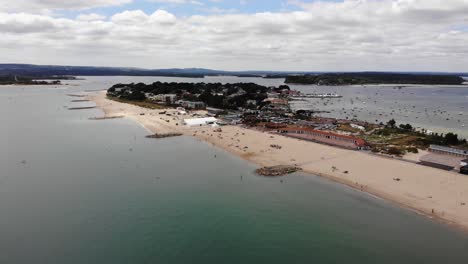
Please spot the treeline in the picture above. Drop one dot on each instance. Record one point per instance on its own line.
(218, 95)
(423, 139)
(374, 78)
(25, 80)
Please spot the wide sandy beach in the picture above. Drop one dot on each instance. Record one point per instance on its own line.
(436, 193)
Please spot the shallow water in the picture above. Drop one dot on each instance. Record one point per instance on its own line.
(74, 190)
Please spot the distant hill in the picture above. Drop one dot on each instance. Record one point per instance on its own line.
(50, 70)
(54, 70)
(361, 78)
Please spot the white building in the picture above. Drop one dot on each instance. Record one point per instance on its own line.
(205, 121)
(358, 127)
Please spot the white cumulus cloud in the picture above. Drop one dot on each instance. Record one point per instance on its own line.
(350, 35)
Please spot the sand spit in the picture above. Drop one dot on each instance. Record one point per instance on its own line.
(438, 194)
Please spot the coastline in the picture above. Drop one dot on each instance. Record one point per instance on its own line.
(437, 194)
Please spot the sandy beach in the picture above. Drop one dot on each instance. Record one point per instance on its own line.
(436, 193)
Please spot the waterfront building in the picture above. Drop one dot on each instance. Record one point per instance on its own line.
(276, 105)
(462, 153)
(329, 138)
(191, 105)
(273, 125)
(169, 99)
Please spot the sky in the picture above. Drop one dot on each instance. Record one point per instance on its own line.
(290, 35)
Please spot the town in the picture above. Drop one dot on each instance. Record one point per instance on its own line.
(268, 109)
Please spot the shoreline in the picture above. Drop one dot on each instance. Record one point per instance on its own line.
(436, 194)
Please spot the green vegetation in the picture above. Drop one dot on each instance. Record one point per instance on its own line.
(374, 78)
(222, 96)
(399, 139)
(142, 103)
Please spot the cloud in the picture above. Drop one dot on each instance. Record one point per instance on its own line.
(177, 2)
(350, 35)
(90, 17)
(43, 5)
(139, 18)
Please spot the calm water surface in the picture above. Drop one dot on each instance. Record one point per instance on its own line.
(74, 190)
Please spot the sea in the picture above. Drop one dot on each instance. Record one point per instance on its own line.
(75, 190)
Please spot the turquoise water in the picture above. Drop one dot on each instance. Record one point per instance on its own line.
(74, 190)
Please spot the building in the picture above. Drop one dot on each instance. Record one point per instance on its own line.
(325, 137)
(358, 127)
(232, 119)
(272, 125)
(169, 99)
(276, 105)
(191, 105)
(462, 153)
(205, 121)
(273, 95)
(214, 111)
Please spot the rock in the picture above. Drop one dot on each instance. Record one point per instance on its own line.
(279, 170)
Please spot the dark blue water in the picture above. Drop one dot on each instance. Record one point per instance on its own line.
(74, 190)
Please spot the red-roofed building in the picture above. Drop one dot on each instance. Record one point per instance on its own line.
(329, 138)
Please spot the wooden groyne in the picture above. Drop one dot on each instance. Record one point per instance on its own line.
(81, 108)
(76, 95)
(96, 90)
(166, 135)
(105, 117)
(80, 100)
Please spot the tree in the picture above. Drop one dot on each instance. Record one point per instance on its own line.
(136, 96)
(406, 127)
(451, 139)
(391, 123)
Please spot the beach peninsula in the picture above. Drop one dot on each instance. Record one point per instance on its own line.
(439, 194)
